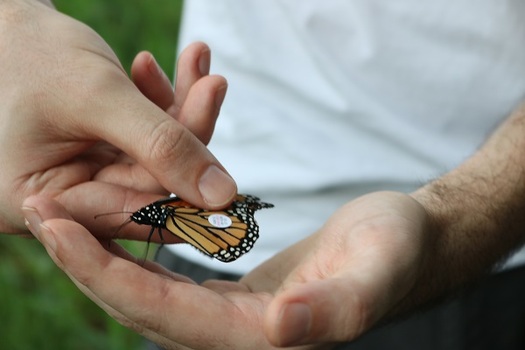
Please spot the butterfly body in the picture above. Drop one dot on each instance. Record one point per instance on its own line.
(222, 234)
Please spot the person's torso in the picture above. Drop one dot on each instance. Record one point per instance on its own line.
(330, 99)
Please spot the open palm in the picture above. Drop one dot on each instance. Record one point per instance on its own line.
(330, 287)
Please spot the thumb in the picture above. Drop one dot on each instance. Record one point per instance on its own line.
(169, 151)
(319, 311)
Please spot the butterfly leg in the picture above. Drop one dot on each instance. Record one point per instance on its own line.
(160, 235)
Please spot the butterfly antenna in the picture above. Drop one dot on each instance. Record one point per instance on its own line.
(112, 213)
(120, 227)
(127, 221)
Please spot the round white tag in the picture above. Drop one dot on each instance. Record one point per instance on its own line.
(220, 220)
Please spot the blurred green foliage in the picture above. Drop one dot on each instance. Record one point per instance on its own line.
(130, 26)
(40, 308)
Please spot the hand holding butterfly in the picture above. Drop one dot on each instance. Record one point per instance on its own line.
(379, 256)
(330, 287)
(77, 129)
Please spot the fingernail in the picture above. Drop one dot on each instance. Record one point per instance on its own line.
(154, 67)
(48, 237)
(216, 187)
(32, 220)
(204, 62)
(220, 95)
(294, 324)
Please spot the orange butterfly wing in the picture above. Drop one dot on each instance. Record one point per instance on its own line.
(224, 234)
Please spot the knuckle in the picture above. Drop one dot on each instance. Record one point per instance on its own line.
(168, 144)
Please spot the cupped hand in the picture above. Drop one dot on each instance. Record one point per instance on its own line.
(74, 127)
(330, 287)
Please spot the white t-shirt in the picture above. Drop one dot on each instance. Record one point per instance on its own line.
(329, 100)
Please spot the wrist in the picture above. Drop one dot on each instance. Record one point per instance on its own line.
(475, 222)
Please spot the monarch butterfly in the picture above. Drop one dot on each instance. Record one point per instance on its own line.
(223, 234)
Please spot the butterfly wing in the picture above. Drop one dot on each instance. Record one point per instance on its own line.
(225, 235)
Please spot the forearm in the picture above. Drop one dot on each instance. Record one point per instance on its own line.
(477, 210)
